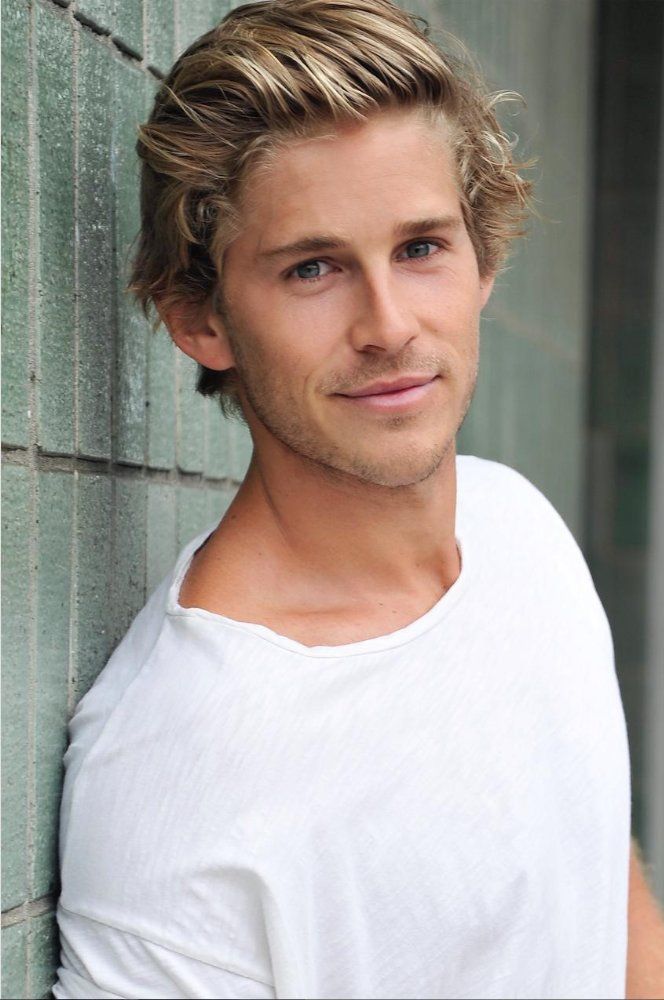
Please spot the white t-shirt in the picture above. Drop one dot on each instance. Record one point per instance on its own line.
(442, 811)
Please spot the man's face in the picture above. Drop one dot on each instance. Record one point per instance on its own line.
(353, 268)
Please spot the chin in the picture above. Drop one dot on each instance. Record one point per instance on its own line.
(398, 471)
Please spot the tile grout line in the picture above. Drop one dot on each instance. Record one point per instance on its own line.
(92, 28)
(74, 464)
(73, 604)
(32, 908)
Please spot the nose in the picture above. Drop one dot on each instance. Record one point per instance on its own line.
(382, 322)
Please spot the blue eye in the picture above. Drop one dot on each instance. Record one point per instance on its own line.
(419, 249)
(310, 270)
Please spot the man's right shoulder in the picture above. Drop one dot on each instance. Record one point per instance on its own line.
(138, 644)
(126, 662)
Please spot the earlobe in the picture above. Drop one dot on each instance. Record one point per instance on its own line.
(200, 333)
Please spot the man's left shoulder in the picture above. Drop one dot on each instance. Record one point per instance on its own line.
(524, 517)
(509, 490)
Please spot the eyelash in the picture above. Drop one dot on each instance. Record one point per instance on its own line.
(291, 273)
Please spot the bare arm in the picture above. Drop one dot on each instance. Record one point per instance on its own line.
(645, 940)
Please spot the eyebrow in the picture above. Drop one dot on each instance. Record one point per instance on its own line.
(319, 243)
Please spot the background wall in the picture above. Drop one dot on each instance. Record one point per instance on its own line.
(111, 461)
(529, 408)
(623, 429)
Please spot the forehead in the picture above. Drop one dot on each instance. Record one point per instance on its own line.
(361, 176)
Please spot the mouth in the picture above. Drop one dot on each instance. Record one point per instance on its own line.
(389, 388)
(399, 395)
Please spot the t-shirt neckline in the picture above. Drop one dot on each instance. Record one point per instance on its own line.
(375, 644)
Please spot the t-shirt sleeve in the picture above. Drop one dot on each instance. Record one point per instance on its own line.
(542, 528)
(102, 961)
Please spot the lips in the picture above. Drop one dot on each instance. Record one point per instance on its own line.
(381, 388)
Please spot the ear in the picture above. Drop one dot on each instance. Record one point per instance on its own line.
(486, 287)
(200, 332)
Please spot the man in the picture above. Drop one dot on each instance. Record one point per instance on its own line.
(366, 739)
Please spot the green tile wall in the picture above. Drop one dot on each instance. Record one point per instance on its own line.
(16, 628)
(95, 100)
(160, 40)
(43, 954)
(15, 231)
(130, 108)
(14, 959)
(53, 650)
(56, 302)
(111, 462)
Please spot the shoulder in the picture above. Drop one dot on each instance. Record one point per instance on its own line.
(505, 494)
(479, 474)
(135, 650)
(125, 666)
(504, 505)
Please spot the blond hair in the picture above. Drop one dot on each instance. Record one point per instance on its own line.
(282, 69)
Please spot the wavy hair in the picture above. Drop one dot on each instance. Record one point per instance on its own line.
(276, 70)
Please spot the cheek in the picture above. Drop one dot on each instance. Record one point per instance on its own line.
(279, 357)
(452, 292)
(311, 330)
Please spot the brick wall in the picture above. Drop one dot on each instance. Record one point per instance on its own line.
(111, 462)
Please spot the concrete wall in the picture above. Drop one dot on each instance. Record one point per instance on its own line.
(111, 462)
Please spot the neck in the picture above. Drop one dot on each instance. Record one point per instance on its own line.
(336, 533)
